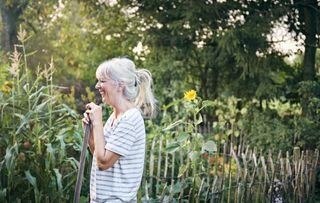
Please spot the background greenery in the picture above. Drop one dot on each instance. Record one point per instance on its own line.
(221, 49)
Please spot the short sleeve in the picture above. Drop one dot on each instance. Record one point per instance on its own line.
(121, 138)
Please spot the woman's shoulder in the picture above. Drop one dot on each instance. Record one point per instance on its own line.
(132, 115)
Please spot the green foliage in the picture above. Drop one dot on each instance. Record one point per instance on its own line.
(309, 92)
(39, 136)
(184, 148)
(181, 121)
(214, 47)
(219, 48)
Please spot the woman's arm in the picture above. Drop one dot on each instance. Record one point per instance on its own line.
(105, 158)
(91, 141)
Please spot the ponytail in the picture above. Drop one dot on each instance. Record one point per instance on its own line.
(145, 99)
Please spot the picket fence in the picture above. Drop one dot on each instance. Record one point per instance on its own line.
(240, 175)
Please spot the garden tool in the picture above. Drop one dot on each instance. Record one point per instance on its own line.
(82, 162)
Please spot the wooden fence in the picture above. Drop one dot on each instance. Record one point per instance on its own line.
(236, 174)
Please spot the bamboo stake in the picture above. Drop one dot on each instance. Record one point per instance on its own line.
(147, 191)
(214, 182)
(302, 179)
(273, 175)
(166, 162)
(253, 174)
(172, 177)
(163, 193)
(180, 198)
(244, 180)
(191, 191)
(229, 177)
(222, 186)
(200, 189)
(314, 171)
(239, 172)
(159, 165)
(151, 165)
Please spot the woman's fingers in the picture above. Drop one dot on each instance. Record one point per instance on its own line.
(93, 113)
(85, 121)
(86, 118)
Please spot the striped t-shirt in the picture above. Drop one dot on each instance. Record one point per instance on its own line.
(120, 182)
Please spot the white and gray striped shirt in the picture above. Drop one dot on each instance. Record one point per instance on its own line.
(121, 182)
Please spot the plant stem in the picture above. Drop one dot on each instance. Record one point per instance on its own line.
(27, 74)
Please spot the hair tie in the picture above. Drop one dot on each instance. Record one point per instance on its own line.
(136, 78)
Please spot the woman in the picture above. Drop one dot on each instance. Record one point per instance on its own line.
(118, 147)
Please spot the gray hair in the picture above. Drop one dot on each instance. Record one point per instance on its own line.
(137, 83)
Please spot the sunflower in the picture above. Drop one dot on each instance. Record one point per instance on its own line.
(8, 84)
(190, 95)
(5, 89)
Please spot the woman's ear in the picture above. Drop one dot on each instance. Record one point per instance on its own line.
(120, 88)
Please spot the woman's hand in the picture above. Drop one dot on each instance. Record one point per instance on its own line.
(86, 121)
(93, 114)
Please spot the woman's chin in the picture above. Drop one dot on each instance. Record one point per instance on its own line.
(104, 100)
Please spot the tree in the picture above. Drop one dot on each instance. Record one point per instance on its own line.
(10, 14)
(306, 21)
(217, 47)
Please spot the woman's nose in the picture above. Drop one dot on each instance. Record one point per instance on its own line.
(97, 85)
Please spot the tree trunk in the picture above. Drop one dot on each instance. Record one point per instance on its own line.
(310, 16)
(10, 14)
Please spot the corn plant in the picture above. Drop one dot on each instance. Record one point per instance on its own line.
(39, 134)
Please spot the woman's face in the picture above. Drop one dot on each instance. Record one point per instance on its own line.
(107, 88)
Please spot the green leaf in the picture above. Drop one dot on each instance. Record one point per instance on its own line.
(240, 123)
(42, 105)
(197, 182)
(182, 137)
(236, 133)
(182, 170)
(229, 132)
(31, 179)
(59, 180)
(278, 77)
(176, 187)
(24, 121)
(244, 111)
(172, 125)
(165, 107)
(199, 120)
(206, 103)
(172, 147)
(19, 115)
(3, 194)
(84, 199)
(194, 156)
(210, 146)
(10, 157)
(190, 128)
